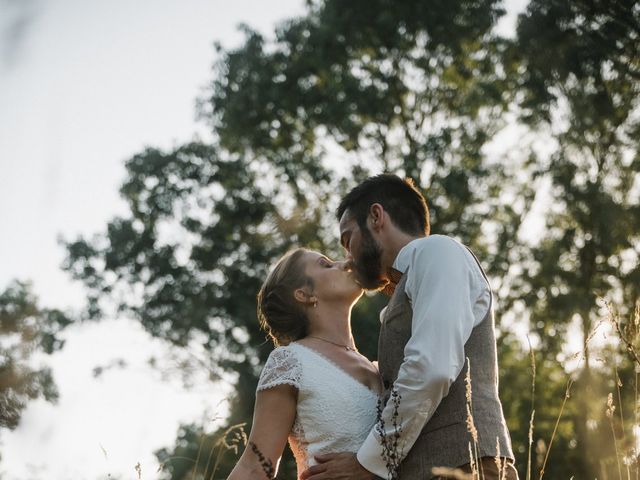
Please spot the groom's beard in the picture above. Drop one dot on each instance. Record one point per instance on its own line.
(369, 265)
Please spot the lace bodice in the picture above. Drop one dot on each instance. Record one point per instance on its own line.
(335, 412)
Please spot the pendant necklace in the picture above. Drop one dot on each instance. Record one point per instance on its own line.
(346, 347)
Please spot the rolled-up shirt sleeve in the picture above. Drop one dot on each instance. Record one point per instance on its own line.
(442, 288)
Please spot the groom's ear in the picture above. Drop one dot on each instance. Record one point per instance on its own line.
(376, 219)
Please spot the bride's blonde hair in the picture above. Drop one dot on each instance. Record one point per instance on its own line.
(279, 313)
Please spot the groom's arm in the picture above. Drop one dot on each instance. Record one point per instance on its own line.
(442, 287)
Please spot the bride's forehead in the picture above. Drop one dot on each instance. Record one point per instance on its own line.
(312, 256)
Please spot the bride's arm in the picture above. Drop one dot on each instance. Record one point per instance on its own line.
(273, 417)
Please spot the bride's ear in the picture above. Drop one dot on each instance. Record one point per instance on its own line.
(304, 297)
(300, 295)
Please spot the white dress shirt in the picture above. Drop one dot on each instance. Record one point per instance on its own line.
(449, 296)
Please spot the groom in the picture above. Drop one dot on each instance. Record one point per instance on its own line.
(437, 329)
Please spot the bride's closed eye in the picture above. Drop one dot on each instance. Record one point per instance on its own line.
(326, 263)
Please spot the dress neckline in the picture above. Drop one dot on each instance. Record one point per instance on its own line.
(336, 366)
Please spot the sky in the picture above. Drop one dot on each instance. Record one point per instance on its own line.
(84, 85)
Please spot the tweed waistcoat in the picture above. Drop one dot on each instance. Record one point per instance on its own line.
(444, 440)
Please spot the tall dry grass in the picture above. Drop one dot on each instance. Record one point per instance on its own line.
(626, 443)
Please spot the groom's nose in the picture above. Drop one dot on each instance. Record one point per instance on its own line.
(345, 265)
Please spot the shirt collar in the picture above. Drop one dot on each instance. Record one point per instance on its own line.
(403, 259)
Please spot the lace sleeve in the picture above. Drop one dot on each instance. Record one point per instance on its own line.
(282, 367)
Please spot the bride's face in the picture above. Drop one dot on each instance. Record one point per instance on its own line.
(332, 281)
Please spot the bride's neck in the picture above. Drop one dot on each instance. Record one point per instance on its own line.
(332, 323)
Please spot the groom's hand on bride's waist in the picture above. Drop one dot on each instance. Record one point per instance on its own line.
(337, 466)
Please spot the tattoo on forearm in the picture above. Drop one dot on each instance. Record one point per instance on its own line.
(265, 463)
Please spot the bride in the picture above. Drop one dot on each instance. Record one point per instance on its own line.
(316, 389)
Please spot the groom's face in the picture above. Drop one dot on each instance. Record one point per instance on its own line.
(363, 251)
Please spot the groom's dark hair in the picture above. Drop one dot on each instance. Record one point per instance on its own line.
(400, 198)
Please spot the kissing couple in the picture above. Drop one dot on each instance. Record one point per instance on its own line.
(432, 408)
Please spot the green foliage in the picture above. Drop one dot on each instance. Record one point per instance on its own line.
(195, 249)
(26, 331)
(584, 52)
(420, 89)
(416, 88)
(580, 77)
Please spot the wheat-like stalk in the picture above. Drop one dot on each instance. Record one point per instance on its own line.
(454, 473)
(533, 411)
(632, 329)
(223, 445)
(610, 410)
(500, 463)
(472, 464)
(636, 326)
(195, 466)
(567, 395)
(392, 451)
(471, 426)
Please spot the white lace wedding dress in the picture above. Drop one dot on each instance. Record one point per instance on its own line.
(335, 412)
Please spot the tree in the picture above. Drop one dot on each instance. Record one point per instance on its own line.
(417, 88)
(27, 331)
(580, 83)
(414, 88)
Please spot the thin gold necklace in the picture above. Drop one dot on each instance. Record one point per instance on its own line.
(346, 347)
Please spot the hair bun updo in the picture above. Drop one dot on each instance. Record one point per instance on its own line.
(279, 313)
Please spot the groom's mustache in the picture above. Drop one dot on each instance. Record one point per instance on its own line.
(350, 267)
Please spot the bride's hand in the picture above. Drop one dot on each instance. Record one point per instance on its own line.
(336, 466)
